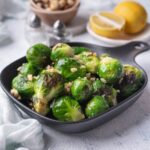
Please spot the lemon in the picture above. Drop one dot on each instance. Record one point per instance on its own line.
(134, 14)
(107, 24)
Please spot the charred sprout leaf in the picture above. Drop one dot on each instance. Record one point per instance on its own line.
(38, 55)
(28, 68)
(70, 69)
(61, 50)
(95, 106)
(48, 85)
(81, 89)
(131, 81)
(23, 86)
(110, 69)
(111, 95)
(67, 109)
(78, 50)
(98, 86)
(88, 59)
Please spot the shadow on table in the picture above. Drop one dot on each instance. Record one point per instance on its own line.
(6, 42)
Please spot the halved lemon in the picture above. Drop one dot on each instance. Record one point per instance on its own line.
(107, 24)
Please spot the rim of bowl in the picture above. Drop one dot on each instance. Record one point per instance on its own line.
(40, 10)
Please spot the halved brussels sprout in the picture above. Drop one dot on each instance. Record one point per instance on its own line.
(67, 109)
(95, 106)
(23, 85)
(89, 59)
(131, 81)
(70, 69)
(81, 89)
(38, 55)
(28, 68)
(48, 85)
(110, 69)
(78, 50)
(61, 50)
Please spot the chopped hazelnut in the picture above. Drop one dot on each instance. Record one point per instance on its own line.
(74, 69)
(15, 93)
(103, 80)
(88, 75)
(93, 79)
(30, 77)
(94, 54)
(82, 66)
(68, 86)
(19, 68)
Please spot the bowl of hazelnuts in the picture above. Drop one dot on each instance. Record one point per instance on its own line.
(51, 10)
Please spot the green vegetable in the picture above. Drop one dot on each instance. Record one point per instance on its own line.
(96, 106)
(70, 69)
(23, 86)
(38, 55)
(78, 50)
(81, 89)
(28, 68)
(47, 86)
(88, 59)
(110, 69)
(110, 94)
(61, 50)
(67, 109)
(98, 86)
(131, 81)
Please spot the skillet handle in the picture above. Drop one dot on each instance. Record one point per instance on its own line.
(128, 52)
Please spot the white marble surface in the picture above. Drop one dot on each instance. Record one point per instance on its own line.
(128, 131)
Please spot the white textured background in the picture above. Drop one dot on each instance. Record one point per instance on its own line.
(129, 131)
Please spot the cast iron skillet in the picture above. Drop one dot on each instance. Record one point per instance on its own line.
(124, 53)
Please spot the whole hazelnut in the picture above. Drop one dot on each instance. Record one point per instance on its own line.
(54, 5)
(70, 2)
(62, 3)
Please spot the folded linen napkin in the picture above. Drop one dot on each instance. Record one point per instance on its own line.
(17, 133)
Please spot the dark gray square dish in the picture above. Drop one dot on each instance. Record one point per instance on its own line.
(124, 53)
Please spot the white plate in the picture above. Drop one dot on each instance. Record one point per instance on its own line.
(143, 36)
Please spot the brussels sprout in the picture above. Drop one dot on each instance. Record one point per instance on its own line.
(67, 109)
(78, 50)
(38, 55)
(95, 106)
(24, 86)
(61, 50)
(28, 68)
(88, 59)
(110, 94)
(70, 69)
(110, 69)
(48, 85)
(131, 81)
(81, 89)
(98, 86)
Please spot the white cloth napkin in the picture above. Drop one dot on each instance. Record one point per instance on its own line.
(17, 133)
